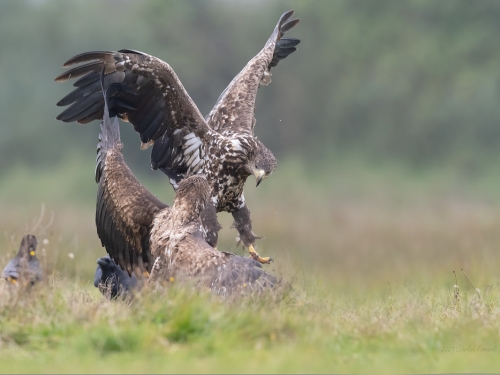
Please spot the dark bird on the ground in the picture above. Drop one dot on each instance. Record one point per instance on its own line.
(111, 280)
(24, 267)
(137, 228)
(222, 146)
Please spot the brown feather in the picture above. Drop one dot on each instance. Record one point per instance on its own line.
(235, 107)
(129, 208)
(152, 98)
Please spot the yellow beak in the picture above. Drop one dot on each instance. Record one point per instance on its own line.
(259, 176)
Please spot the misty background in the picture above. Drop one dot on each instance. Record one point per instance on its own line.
(384, 103)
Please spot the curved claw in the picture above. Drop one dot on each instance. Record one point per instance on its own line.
(266, 260)
(258, 258)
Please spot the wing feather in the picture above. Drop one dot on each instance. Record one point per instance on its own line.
(125, 209)
(124, 214)
(235, 107)
(154, 102)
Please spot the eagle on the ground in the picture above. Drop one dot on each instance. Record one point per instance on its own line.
(139, 231)
(222, 146)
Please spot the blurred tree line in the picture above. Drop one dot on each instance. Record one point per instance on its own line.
(416, 81)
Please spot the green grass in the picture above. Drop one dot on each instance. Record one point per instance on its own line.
(370, 253)
(62, 326)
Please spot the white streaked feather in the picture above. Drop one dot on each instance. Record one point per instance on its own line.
(178, 158)
(173, 183)
(189, 136)
(195, 161)
(192, 157)
(236, 145)
(195, 169)
(190, 141)
(193, 147)
(144, 146)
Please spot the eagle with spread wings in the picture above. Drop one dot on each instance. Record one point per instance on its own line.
(222, 145)
(147, 237)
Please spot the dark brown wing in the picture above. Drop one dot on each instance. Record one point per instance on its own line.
(153, 101)
(236, 105)
(125, 209)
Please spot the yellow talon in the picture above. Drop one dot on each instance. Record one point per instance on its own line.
(32, 253)
(145, 274)
(257, 257)
(171, 279)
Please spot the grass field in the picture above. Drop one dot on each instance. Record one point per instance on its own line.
(370, 256)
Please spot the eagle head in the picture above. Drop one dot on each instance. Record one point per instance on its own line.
(263, 164)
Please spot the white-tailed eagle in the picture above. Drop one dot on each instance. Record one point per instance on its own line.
(222, 145)
(145, 236)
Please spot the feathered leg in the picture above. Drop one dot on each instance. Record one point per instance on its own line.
(243, 225)
(210, 224)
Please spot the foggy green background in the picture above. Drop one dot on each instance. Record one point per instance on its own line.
(386, 127)
(415, 81)
(385, 124)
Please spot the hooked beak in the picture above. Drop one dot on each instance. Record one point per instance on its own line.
(259, 176)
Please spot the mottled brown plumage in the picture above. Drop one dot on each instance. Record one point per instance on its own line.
(221, 146)
(135, 227)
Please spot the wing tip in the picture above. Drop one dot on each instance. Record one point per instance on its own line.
(61, 78)
(86, 57)
(286, 16)
(284, 24)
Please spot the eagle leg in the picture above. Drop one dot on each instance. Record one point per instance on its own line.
(243, 225)
(210, 224)
(257, 257)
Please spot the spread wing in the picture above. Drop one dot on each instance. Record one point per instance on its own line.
(125, 208)
(236, 105)
(153, 100)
